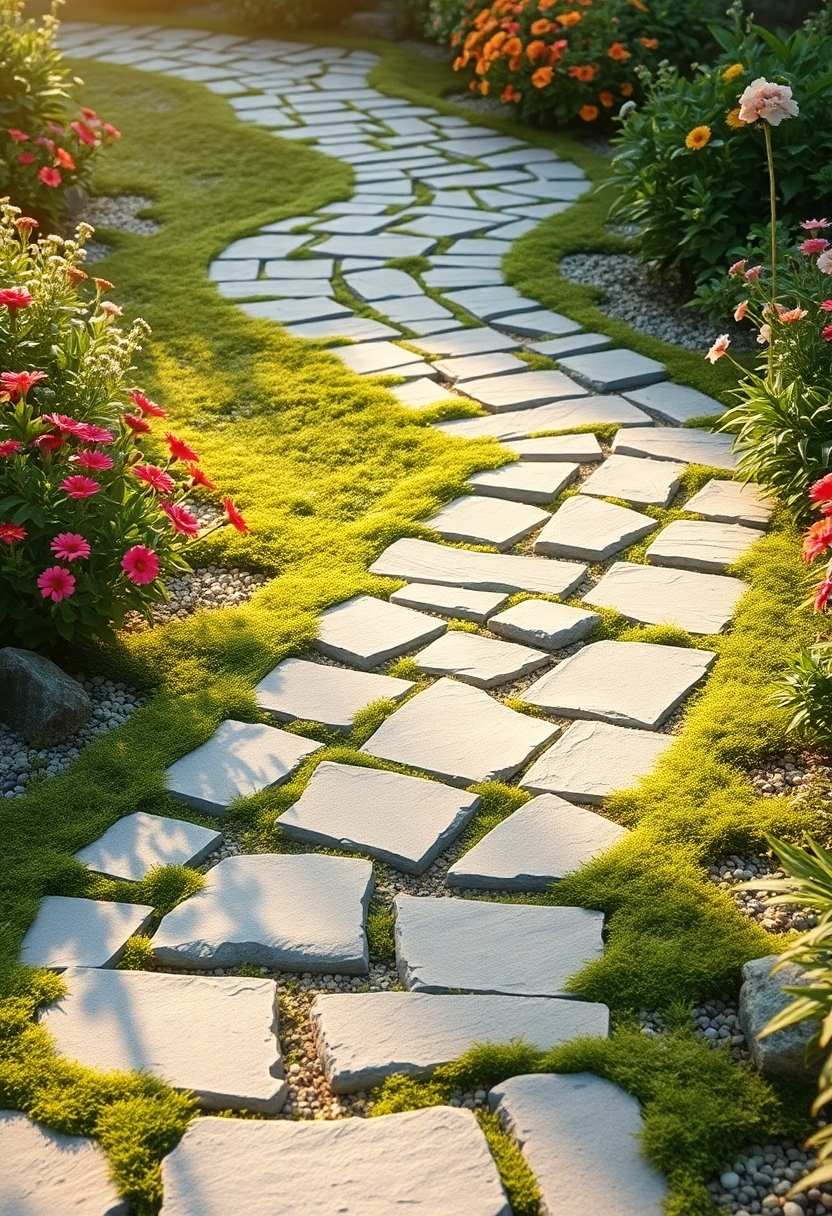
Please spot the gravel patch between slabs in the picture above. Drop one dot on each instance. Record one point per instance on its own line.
(119, 213)
(211, 587)
(759, 1180)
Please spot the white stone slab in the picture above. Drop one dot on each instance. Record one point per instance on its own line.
(635, 684)
(537, 321)
(45, 1173)
(515, 392)
(459, 734)
(451, 276)
(424, 561)
(360, 225)
(409, 309)
(138, 842)
(365, 631)
(297, 690)
(308, 268)
(448, 945)
(358, 329)
(239, 760)
(644, 483)
(373, 285)
(677, 443)
(433, 1162)
(456, 602)
(610, 371)
(445, 225)
(366, 1037)
(490, 302)
(384, 246)
(525, 482)
(420, 394)
(559, 1120)
(577, 344)
(591, 529)
(732, 502)
(232, 270)
(486, 521)
(299, 912)
(477, 660)
(700, 603)
(534, 847)
(557, 416)
(288, 312)
(477, 341)
(479, 367)
(689, 544)
(565, 190)
(583, 449)
(544, 624)
(368, 358)
(676, 402)
(268, 245)
(214, 1035)
(591, 760)
(264, 289)
(70, 932)
(405, 821)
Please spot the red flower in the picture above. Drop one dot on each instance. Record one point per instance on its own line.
(89, 114)
(10, 533)
(70, 426)
(17, 384)
(47, 443)
(826, 333)
(198, 478)
(822, 594)
(817, 539)
(814, 245)
(85, 134)
(826, 306)
(145, 406)
(140, 564)
(821, 490)
(10, 447)
(179, 450)
(99, 461)
(51, 178)
(234, 517)
(70, 546)
(15, 297)
(25, 158)
(183, 521)
(112, 131)
(63, 158)
(25, 223)
(88, 432)
(80, 487)
(137, 424)
(155, 477)
(56, 584)
(18, 137)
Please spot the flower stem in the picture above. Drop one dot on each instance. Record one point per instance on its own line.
(773, 202)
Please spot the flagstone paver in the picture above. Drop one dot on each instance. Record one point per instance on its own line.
(479, 367)
(45, 1173)
(72, 932)
(424, 561)
(372, 358)
(732, 502)
(544, 624)
(140, 841)
(678, 403)
(456, 602)
(689, 544)
(556, 416)
(583, 449)
(297, 912)
(611, 371)
(490, 302)
(592, 529)
(214, 1035)
(312, 308)
(575, 344)
(465, 342)
(369, 1036)
(643, 483)
(627, 683)
(297, 690)
(525, 482)
(486, 521)
(591, 760)
(420, 394)
(366, 631)
(514, 392)
(239, 760)
(376, 285)
(448, 945)
(682, 444)
(650, 595)
(483, 662)
(357, 329)
(405, 821)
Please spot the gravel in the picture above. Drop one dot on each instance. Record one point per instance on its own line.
(728, 872)
(760, 1178)
(119, 213)
(788, 774)
(717, 1023)
(211, 587)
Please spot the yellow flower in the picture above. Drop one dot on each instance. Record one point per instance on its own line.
(735, 70)
(698, 137)
(732, 119)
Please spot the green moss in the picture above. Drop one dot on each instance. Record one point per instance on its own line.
(517, 1178)
(138, 955)
(380, 926)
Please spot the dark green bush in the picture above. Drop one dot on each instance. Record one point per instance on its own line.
(276, 15)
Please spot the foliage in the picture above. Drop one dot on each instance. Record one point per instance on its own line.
(293, 14)
(807, 693)
(517, 1177)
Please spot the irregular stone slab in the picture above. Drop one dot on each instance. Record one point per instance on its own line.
(269, 245)
(70, 932)
(478, 147)
(591, 760)
(489, 302)
(214, 1035)
(591, 529)
(365, 631)
(369, 1036)
(38, 700)
(140, 841)
(515, 392)
(448, 945)
(420, 394)
(45, 1173)
(480, 661)
(465, 342)
(358, 329)
(784, 1053)
(226, 271)
(577, 344)
(557, 416)
(627, 683)
(537, 321)
(676, 402)
(445, 225)
(683, 443)
(689, 544)
(239, 760)
(612, 370)
(700, 603)
(360, 225)
(263, 289)
(456, 602)
(383, 246)
(297, 690)
(479, 367)
(731, 502)
(568, 191)
(309, 268)
(583, 449)
(644, 483)
(404, 821)
(297, 912)
(287, 312)
(433, 1162)
(558, 1120)
(534, 847)
(368, 358)
(386, 284)
(450, 276)
(459, 734)
(544, 624)
(486, 521)
(424, 561)
(521, 482)
(418, 308)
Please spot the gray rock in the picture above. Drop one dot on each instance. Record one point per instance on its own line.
(544, 624)
(612, 371)
(228, 270)
(689, 544)
(486, 521)
(676, 402)
(297, 270)
(490, 302)
(288, 312)
(456, 602)
(591, 760)
(420, 394)
(483, 662)
(450, 276)
(677, 443)
(465, 342)
(583, 449)
(644, 483)
(214, 1035)
(479, 367)
(478, 147)
(365, 631)
(732, 502)
(385, 246)
(568, 191)
(700, 603)
(557, 416)
(45, 1173)
(448, 945)
(269, 245)
(592, 529)
(576, 344)
(297, 690)
(138, 842)
(416, 312)
(357, 329)
(537, 321)
(70, 932)
(358, 225)
(386, 284)
(782, 1054)
(446, 225)
(424, 561)
(370, 358)
(534, 482)
(39, 701)
(516, 392)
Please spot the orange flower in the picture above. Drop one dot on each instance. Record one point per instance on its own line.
(626, 89)
(535, 50)
(642, 8)
(650, 43)
(544, 5)
(556, 51)
(484, 87)
(791, 314)
(515, 63)
(513, 47)
(588, 113)
(460, 62)
(566, 19)
(618, 52)
(542, 77)
(585, 3)
(583, 72)
(732, 119)
(735, 70)
(482, 67)
(456, 38)
(697, 138)
(606, 99)
(542, 26)
(493, 45)
(509, 95)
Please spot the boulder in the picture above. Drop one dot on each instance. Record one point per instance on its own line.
(783, 1053)
(39, 701)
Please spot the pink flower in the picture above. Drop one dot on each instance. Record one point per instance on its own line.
(10, 533)
(51, 178)
(183, 521)
(47, 443)
(10, 447)
(814, 225)
(741, 310)
(112, 131)
(826, 333)
(85, 134)
(826, 306)
(825, 262)
(765, 100)
(140, 564)
(18, 136)
(145, 406)
(137, 424)
(753, 273)
(764, 335)
(821, 490)
(70, 546)
(719, 348)
(70, 426)
(80, 487)
(25, 158)
(56, 584)
(815, 244)
(15, 297)
(155, 477)
(738, 268)
(822, 594)
(98, 461)
(17, 384)
(87, 432)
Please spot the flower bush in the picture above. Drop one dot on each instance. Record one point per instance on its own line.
(89, 524)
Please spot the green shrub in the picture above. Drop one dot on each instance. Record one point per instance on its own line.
(269, 15)
(807, 693)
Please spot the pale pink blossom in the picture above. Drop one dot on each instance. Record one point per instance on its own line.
(741, 311)
(753, 273)
(825, 261)
(719, 348)
(764, 335)
(738, 268)
(765, 100)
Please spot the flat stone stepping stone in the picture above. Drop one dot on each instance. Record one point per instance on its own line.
(456, 602)
(465, 342)
(732, 502)
(689, 544)
(369, 358)
(609, 371)
(363, 1039)
(297, 271)
(384, 246)
(557, 416)
(490, 302)
(567, 191)
(357, 329)
(446, 225)
(544, 624)
(649, 595)
(583, 449)
(537, 321)
(45, 1173)
(479, 367)
(486, 521)
(534, 847)
(644, 483)
(627, 683)
(297, 690)
(514, 392)
(287, 312)
(366, 631)
(420, 394)
(411, 309)
(483, 662)
(239, 760)
(677, 443)
(267, 245)
(386, 284)
(449, 276)
(299, 912)
(676, 402)
(71, 932)
(558, 1120)
(592, 760)
(575, 344)
(214, 1035)
(592, 529)
(359, 225)
(426, 562)
(433, 1162)
(230, 270)
(448, 945)
(459, 734)
(521, 482)
(405, 821)
(138, 842)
